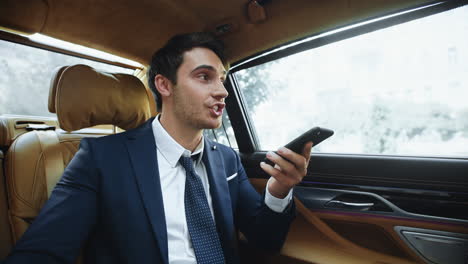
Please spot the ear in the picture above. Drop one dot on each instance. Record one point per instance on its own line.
(163, 85)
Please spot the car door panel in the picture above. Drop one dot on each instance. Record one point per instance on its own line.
(350, 223)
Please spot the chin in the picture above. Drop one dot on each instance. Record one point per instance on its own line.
(212, 124)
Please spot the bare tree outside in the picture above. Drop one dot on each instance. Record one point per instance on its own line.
(397, 91)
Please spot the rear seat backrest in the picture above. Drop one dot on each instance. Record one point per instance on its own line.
(82, 97)
(5, 237)
(11, 127)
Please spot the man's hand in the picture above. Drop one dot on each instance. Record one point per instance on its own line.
(286, 174)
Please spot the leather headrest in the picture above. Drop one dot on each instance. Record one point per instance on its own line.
(84, 97)
(53, 87)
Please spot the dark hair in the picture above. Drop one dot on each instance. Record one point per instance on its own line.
(168, 59)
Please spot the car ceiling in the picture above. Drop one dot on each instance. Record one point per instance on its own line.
(135, 29)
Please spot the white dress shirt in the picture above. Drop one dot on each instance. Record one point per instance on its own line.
(172, 175)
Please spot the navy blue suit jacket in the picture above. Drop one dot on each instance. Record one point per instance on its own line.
(109, 203)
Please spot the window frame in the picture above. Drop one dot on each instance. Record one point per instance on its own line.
(22, 40)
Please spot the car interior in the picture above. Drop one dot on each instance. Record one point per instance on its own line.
(372, 193)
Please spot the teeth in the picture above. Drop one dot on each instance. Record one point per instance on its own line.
(215, 108)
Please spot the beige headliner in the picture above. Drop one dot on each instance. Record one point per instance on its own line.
(135, 28)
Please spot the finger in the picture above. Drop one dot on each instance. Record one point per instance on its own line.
(277, 167)
(282, 178)
(280, 161)
(296, 159)
(306, 151)
(294, 174)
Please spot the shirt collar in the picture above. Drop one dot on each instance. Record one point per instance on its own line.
(169, 148)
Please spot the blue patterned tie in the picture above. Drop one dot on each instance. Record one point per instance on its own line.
(200, 223)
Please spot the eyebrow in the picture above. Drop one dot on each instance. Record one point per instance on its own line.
(208, 67)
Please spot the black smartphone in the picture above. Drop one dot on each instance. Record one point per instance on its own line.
(316, 135)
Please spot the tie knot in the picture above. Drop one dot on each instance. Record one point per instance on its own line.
(187, 163)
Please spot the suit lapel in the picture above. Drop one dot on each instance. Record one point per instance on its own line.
(141, 148)
(219, 191)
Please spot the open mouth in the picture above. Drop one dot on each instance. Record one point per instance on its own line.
(217, 109)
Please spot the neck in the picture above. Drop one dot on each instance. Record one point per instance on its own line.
(188, 137)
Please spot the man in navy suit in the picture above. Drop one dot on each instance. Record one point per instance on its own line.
(123, 198)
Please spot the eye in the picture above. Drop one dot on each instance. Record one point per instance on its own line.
(203, 76)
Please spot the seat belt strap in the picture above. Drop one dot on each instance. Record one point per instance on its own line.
(53, 158)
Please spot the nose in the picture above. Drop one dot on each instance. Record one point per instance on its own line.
(220, 93)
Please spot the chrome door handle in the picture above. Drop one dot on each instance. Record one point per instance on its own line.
(342, 204)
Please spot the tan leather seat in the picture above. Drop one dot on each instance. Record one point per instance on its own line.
(11, 127)
(82, 97)
(5, 237)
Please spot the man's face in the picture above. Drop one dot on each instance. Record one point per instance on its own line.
(199, 94)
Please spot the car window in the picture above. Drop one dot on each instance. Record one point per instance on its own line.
(25, 74)
(400, 90)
